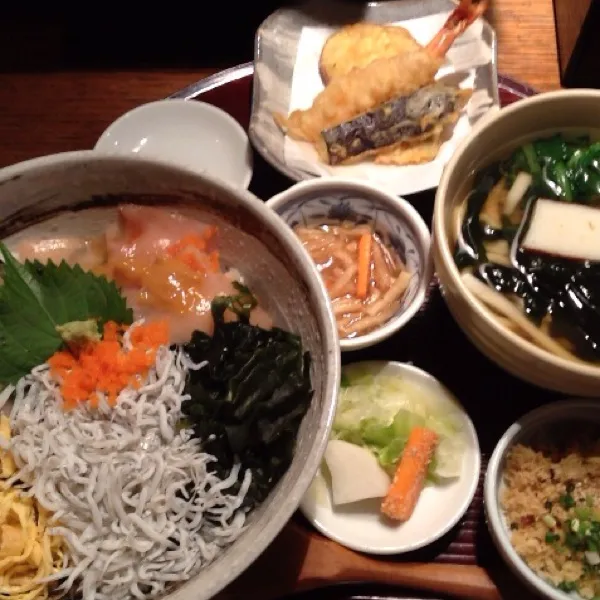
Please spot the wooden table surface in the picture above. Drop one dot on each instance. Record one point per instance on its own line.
(60, 111)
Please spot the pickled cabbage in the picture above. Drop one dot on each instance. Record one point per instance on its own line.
(378, 411)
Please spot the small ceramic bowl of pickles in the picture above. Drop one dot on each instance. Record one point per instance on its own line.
(371, 248)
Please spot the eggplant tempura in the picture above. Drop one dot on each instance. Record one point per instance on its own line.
(390, 107)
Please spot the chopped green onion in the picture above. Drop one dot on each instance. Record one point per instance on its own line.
(567, 501)
(551, 537)
(567, 586)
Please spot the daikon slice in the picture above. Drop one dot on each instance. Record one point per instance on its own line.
(564, 229)
(355, 473)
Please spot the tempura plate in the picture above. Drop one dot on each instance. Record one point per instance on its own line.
(276, 48)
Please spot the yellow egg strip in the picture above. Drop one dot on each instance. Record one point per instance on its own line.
(28, 553)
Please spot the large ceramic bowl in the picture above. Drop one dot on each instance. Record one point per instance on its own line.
(264, 250)
(490, 140)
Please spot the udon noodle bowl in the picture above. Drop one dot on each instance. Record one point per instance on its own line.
(526, 244)
(143, 421)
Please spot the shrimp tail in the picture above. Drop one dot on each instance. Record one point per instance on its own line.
(459, 20)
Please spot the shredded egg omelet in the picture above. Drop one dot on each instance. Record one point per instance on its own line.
(28, 553)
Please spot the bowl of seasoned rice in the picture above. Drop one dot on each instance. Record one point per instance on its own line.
(542, 499)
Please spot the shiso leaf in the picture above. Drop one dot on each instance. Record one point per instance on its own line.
(36, 298)
(246, 404)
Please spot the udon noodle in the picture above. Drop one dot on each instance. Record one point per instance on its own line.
(365, 278)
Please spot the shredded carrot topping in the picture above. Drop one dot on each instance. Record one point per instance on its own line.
(192, 250)
(105, 367)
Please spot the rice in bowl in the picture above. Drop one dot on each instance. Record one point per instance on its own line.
(551, 502)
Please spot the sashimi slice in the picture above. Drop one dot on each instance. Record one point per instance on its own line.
(146, 231)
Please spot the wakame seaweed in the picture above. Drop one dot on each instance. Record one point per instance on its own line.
(564, 169)
(249, 398)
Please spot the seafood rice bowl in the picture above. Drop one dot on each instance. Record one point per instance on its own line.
(144, 429)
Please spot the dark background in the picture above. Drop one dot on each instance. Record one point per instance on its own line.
(37, 36)
(216, 33)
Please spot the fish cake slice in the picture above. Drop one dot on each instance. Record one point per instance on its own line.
(355, 46)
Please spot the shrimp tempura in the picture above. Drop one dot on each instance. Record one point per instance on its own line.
(362, 89)
(350, 95)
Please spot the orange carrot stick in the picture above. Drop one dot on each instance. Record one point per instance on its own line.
(410, 475)
(364, 265)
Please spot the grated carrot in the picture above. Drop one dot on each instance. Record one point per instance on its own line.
(410, 475)
(105, 367)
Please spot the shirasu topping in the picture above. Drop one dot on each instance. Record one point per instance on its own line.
(131, 493)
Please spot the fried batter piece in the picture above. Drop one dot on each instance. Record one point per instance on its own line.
(348, 96)
(412, 153)
(357, 45)
(401, 121)
(426, 149)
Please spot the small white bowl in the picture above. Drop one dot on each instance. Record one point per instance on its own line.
(556, 414)
(358, 526)
(348, 200)
(186, 133)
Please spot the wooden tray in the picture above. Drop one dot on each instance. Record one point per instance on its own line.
(463, 563)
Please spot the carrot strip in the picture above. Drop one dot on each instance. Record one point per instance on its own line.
(410, 475)
(364, 265)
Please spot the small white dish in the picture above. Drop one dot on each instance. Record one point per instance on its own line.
(358, 526)
(190, 134)
(563, 415)
(349, 200)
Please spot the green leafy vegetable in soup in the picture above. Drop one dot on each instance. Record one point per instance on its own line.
(528, 244)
